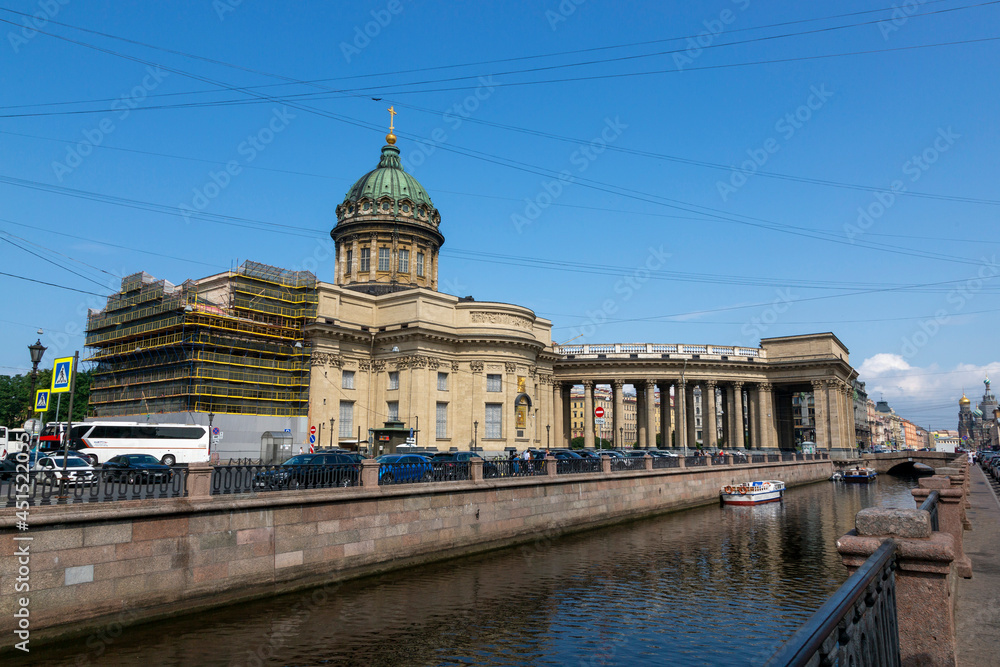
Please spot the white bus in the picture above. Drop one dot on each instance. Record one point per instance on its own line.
(170, 443)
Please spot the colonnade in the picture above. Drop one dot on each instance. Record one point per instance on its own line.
(749, 414)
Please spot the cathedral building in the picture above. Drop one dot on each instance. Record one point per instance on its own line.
(976, 424)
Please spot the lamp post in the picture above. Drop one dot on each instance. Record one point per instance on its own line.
(36, 350)
(211, 437)
(548, 443)
(475, 436)
(332, 420)
(621, 437)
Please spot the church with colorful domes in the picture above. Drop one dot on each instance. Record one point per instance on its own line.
(975, 424)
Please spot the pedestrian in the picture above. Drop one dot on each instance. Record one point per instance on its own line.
(300, 449)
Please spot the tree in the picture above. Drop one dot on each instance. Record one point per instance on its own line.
(16, 403)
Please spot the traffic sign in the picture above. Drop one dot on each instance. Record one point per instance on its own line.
(215, 430)
(599, 421)
(312, 439)
(312, 430)
(41, 400)
(598, 412)
(62, 371)
(288, 430)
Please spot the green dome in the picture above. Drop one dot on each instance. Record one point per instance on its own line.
(389, 180)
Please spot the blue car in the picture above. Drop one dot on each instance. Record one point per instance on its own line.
(404, 468)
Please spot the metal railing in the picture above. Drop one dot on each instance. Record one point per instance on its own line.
(513, 468)
(574, 466)
(447, 471)
(99, 486)
(857, 626)
(631, 463)
(694, 461)
(235, 479)
(666, 462)
(930, 505)
(405, 473)
(758, 458)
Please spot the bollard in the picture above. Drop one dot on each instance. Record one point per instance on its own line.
(924, 605)
(950, 513)
(199, 480)
(682, 462)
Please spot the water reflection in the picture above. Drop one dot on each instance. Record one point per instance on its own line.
(712, 585)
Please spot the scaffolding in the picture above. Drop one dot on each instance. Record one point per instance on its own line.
(231, 343)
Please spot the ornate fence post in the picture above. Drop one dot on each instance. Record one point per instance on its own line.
(551, 464)
(369, 473)
(950, 513)
(199, 480)
(924, 604)
(476, 469)
(648, 460)
(606, 465)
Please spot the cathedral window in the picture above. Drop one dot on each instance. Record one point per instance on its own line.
(385, 206)
(365, 260)
(494, 420)
(393, 410)
(366, 206)
(420, 264)
(350, 261)
(494, 382)
(406, 208)
(393, 379)
(404, 261)
(383, 259)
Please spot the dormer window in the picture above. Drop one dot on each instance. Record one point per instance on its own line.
(420, 212)
(406, 208)
(367, 205)
(350, 209)
(385, 206)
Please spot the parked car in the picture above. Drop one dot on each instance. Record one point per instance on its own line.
(136, 469)
(354, 456)
(8, 468)
(454, 465)
(311, 470)
(78, 470)
(394, 468)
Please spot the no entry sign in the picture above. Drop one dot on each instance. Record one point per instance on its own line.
(312, 430)
(598, 412)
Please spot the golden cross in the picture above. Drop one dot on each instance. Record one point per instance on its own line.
(392, 114)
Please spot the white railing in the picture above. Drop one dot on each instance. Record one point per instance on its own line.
(655, 350)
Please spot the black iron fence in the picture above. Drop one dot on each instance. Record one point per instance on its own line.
(405, 473)
(666, 462)
(857, 626)
(571, 466)
(233, 479)
(92, 486)
(513, 468)
(447, 471)
(631, 463)
(930, 505)
(694, 461)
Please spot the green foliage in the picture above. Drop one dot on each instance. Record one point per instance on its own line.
(16, 399)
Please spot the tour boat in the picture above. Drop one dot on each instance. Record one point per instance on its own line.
(860, 475)
(753, 493)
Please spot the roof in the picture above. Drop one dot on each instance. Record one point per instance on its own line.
(389, 179)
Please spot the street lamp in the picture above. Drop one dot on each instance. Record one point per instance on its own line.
(211, 438)
(548, 443)
(36, 350)
(332, 419)
(621, 437)
(475, 436)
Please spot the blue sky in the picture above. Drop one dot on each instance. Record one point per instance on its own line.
(625, 207)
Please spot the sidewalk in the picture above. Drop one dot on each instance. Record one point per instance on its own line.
(977, 600)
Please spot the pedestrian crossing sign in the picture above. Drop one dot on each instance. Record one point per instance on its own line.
(61, 374)
(41, 400)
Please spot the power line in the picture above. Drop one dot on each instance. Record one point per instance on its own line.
(42, 282)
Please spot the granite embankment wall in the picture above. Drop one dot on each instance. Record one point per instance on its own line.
(91, 563)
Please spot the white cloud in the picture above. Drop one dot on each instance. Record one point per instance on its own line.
(926, 395)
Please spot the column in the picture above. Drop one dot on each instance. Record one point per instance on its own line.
(478, 411)
(680, 413)
(588, 413)
(557, 413)
(619, 421)
(768, 433)
(849, 438)
(753, 411)
(356, 258)
(820, 405)
(509, 395)
(650, 389)
(692, 432)
(709, 432)
(373, 258)
(737, 431)
(726, 393)
(640, 413)
(664, 414)
(566, 392)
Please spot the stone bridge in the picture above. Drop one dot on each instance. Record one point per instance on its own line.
(902, 462)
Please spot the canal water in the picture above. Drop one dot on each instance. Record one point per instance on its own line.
(707, 586)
